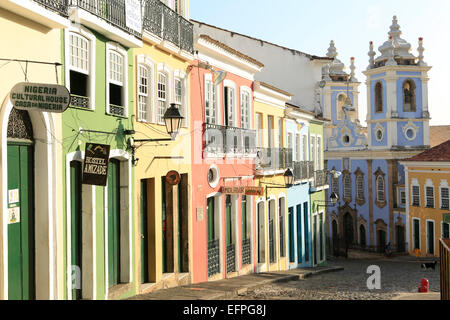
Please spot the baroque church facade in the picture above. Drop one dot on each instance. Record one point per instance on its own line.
(370, 213)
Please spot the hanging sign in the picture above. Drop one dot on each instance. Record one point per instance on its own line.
(254, 191)
(40, 96)
(133, 15)
(13, 215)
(95, 168)
(173, 178)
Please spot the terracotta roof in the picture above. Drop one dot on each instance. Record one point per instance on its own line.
(438, 135)
(310, 56)
(231, 50)
(275, 89)
(437, 153)
(300, 109)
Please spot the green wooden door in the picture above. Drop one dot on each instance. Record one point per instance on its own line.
(113, 222)
(229, 225)
(144, 233)
(76, 239)
(21, 269)
(210, 217)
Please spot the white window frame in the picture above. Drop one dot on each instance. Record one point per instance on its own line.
(319, 152)
(145, 61)
(298, 139)
(184, 109)
(305, 145)
(400, 191)
(230, 84)
(290, 140)
(383, 189)
(246, 91)
(313, 151)
(415, 183)
(429, 184)
(442, 229)
(215, 96)
(112, 46)
(444, 185)
(167, 71)
(85, 33)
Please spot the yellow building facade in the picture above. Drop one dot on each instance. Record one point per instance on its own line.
(31, 35)
(164, 258)
(427, 198)
(271, 164)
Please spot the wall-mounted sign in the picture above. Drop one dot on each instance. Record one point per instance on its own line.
(133, 15)
(13, 196)
(249, 191)
(40, 96)
(173, 178)
(254, 191)
(95, 169)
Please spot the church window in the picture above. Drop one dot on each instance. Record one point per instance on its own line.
(340, 105)
(347, 183)
(359, 186)
(409, 96)
(378, 97)
(380, 189)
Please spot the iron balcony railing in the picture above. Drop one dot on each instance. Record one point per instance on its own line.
(223, 139)
(273, 158)
(213, 257)
(321, 178)
(231, 258)
(246, 252)
(112, 11)
(117, 110)
(79, 101)
(58, 6)
(303, 170)
(165, 23)
(444, 254)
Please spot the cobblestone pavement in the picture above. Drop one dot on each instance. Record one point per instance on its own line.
(397, 276)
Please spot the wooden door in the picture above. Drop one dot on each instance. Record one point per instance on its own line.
(75, 219)
(113, 222)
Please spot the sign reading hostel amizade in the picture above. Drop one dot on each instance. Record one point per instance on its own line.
(40, 96)
(95, 168)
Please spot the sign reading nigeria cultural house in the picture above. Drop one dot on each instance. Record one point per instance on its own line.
(95, 168)
(40, 96)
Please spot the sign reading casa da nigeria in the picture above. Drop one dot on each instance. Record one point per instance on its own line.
(95, 169)
(40, 96)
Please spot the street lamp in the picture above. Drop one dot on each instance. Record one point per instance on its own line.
(172, 119)
(288, 178)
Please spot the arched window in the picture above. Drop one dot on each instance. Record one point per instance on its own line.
(347, 183)
(360, 187)
(380, 189)
(378, 97)
(409, 96)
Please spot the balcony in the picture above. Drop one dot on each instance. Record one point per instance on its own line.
(79, 101)
(106, 16)
(303, 170)
(59, 6)
(273, 159)
(321, 179)
(229, 140)
(166, 24)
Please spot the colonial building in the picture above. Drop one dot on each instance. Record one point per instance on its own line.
(32, 224)
(223, 160)
(426, 198)
(163, 251)
(397, 127)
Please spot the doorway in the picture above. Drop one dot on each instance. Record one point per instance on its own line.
(21, 218)
(381, 241)
(261, 234)
(114, 222)
(76, 227)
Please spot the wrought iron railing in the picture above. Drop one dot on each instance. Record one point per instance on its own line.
(58, 6)
(321, 178)
(246, 252)
(112, 11)
(213, 257)
(271, 242)
(222, 139)
(444, 256)
(303, 170)
(273, 158)
(79, 101)
(165, 23)
(231, 258)
(117, 110)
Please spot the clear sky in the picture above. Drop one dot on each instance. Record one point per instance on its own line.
(309, 25)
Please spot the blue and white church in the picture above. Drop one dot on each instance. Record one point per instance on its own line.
(370, 212)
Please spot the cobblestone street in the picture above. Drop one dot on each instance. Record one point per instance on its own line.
(397, 276)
